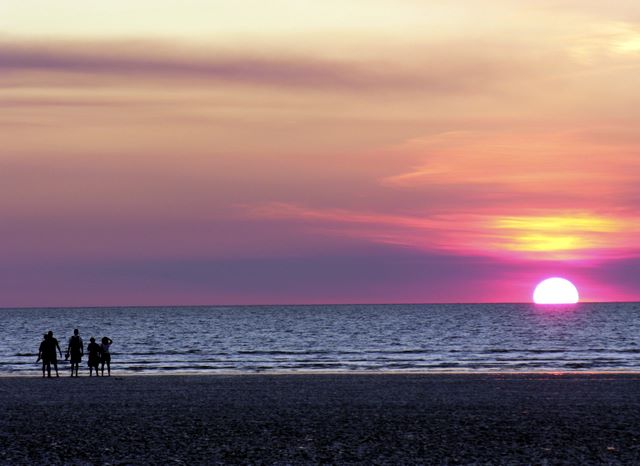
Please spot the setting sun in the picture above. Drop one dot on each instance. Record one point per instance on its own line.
(555, 291)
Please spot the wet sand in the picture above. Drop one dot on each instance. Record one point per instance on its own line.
(302, 419)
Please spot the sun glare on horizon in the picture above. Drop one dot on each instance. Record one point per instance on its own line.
(555, 290)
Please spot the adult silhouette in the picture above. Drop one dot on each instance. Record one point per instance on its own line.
(41, 356)
(49, 356)
(105, 355)
(94, 356)
(75, 351)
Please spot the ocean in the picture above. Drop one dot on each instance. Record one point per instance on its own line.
(342, 338)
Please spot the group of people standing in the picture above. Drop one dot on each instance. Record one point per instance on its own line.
(99, 354)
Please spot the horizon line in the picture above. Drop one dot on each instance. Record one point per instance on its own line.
(448, 303)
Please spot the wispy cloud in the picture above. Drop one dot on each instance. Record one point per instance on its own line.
(569, 235)
(537, 164)
(434, 71)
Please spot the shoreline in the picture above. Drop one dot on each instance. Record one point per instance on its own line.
(64, 373)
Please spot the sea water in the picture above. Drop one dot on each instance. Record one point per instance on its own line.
(344, 338)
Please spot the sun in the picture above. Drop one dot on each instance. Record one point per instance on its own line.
(555, 290)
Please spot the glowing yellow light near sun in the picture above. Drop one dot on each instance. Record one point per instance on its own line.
(555, 290)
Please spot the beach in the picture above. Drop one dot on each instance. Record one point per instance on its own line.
(322, 418)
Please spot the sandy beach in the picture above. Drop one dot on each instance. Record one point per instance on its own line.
(302, 419)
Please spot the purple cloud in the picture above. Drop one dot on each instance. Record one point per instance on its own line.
(436, 73)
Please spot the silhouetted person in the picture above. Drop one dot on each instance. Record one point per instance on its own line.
(41, 356)
(49, 355)
(75, 351)
(94, 356)
(105, 356)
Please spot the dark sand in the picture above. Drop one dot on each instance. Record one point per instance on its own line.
(300, 419)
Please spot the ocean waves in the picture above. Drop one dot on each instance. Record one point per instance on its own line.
(389, 338)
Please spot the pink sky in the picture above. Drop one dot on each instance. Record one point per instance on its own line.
(193, 152)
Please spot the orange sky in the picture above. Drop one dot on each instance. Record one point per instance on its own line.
(199, 152)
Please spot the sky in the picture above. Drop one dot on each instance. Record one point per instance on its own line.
(174, 152)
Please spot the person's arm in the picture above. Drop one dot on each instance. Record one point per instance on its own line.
(59, 351)
(110, 341)
(81, 347)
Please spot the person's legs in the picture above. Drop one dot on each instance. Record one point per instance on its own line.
(102, 367)
(49, 369)
(55, 365)
(44, 367)
(109, 368)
